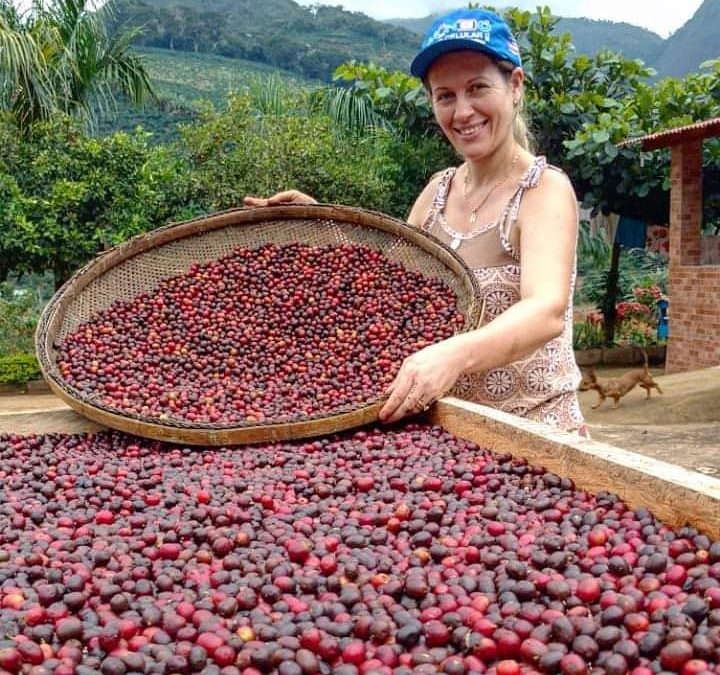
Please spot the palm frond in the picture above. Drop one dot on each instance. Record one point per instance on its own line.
(62, 59)
(349, 108)
(268, 95)
(25, 87)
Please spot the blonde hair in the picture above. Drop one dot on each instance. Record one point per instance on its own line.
(521, 130)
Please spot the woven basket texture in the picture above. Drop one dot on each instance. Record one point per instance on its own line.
(142, 263)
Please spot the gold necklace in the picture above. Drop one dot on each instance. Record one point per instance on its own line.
(495, 186)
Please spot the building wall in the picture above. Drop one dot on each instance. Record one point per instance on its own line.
(694, 316)
(694, 288)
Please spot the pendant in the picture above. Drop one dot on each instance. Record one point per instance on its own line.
(455, 243)
(473, 218)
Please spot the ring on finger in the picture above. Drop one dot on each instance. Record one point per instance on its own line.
(420, 404)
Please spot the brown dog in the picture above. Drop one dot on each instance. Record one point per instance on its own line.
(616, 387)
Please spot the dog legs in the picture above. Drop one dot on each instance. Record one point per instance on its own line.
(648, 386)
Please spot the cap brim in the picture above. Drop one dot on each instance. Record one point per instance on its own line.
(422, 62)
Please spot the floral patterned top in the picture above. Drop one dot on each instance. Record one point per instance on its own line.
(543, 385)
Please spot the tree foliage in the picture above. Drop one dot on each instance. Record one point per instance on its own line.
(267, 142)
(635, 183)
(65, 196)
(58, 58)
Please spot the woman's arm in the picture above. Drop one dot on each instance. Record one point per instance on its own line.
(548, 231)
(421, 208)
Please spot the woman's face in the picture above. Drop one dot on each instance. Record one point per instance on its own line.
(473, 101)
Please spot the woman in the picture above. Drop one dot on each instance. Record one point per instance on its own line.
(511, 217)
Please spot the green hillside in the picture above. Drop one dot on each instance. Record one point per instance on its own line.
(308, 41)
(202, 49)
(181, 79)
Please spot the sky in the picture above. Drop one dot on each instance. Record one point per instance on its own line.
(660, 16)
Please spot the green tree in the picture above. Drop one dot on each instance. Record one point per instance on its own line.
(66, 196)
(623, 178)
(58, 57)
(271, 141)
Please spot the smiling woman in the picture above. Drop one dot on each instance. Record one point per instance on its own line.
(510, 216)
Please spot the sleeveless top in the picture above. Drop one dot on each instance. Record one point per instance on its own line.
(543, 385)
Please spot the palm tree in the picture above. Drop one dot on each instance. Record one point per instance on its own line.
(22, 64)
(58, 57)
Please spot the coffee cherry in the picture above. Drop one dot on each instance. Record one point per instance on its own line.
(159, 558)
(276, 333)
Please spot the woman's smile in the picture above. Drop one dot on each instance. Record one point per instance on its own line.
(470, 132)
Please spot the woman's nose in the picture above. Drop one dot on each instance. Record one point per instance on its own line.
(463, 106)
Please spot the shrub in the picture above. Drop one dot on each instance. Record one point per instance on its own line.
(237, 152)
(588, 335)
(66, 196)
(20, 307)
(18, 368)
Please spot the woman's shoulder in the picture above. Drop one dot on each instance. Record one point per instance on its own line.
(548, 192)
(545, 177)
(441, 176)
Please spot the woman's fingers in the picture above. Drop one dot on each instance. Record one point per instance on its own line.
(285, 197)
(255, 201)
(290, 197)
(407, 396)
(398, 395)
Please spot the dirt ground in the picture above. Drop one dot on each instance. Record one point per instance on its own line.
(682, 426)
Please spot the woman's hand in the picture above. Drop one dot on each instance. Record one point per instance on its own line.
(423, 378)
(280, 198)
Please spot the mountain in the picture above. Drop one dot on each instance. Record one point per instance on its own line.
(680, 54)
(309, 41)
(695, 42)
(590, 36)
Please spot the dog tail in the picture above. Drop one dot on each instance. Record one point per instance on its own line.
(645, 356)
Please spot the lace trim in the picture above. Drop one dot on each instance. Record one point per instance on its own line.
(529, 179)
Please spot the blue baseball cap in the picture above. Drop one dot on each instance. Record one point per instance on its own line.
(474, 29)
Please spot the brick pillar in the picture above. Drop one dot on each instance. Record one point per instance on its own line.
(686, 203)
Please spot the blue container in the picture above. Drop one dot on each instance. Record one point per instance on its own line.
(663, 328)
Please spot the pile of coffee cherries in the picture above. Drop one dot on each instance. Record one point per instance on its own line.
(271, 334)
(394, 551)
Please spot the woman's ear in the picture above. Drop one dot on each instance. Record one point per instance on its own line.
(517, 79)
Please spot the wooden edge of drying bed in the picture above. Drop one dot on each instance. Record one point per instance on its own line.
(674, 494)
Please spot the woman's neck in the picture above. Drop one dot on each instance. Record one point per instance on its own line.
(487, 171)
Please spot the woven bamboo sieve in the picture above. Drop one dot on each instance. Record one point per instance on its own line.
(143, 262)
